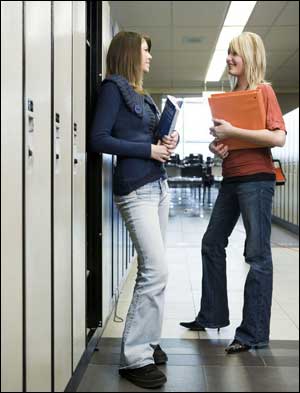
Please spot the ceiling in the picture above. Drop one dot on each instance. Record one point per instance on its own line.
(184, 35)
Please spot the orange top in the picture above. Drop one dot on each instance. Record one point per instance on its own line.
(251, 161)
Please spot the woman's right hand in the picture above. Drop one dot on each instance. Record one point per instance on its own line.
(219, 149)
(160, 152)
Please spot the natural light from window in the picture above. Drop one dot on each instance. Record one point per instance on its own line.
(193, 126)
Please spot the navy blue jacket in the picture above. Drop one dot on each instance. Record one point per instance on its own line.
(121, 126)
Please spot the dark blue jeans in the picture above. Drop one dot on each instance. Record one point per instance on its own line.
(253, 200)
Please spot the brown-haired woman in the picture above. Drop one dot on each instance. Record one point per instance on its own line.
(124, 125)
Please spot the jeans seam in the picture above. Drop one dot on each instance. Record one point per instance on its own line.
(134, 298)
(132, 312)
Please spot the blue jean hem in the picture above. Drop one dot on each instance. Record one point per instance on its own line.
(253, 345)
(136, 365)
(213, 325)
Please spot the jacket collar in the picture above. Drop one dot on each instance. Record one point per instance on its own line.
(133, 100)
(152, 103)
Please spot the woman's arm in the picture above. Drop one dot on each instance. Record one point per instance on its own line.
(106, 112)
(265, 138)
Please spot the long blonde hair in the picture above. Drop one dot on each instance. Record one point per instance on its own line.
(124, 58)
(249, 46)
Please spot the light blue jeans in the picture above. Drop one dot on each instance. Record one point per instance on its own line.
(145, 212)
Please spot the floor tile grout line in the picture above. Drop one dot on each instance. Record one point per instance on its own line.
(297, 327)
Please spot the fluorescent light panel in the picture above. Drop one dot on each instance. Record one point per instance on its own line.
(236, 19)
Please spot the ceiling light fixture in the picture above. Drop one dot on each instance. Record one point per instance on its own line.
(235, 22)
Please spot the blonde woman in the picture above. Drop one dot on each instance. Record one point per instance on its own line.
(124, 124)
(247, 190)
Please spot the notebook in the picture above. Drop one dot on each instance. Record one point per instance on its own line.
(243, 109)
(169, 116)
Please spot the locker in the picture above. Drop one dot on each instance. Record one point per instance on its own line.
(127, 250)
(62, 192)
(38, 270)
(123, 248)
(106, 235)
(115, 261)
(106, 184)
(79, 164)
(94, 287)
(11, 196)
(118, 248)
(132, 249)
(115, 256)
(290, 194)
(286, 192)
(120, 251)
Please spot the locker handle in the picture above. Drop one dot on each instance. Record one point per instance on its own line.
(57, 137)
(75, 161)
(30, 123)
(30, 132)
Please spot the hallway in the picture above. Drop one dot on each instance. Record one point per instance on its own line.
(197, 361)
(68, 264)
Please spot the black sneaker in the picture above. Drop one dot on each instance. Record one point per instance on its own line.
(146, 377)
(159, 356)
(236, 346)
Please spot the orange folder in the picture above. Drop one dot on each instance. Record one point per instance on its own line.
(243, 109)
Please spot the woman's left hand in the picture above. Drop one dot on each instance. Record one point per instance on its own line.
(222, 129)
(170, 141)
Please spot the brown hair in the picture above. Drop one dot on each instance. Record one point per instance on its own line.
(124, 57)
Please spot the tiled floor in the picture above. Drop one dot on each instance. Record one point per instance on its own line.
(201, 366)
(196, 359)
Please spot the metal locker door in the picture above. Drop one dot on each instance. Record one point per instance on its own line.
(120, 251)
(118, 248)
(11, 196)
(38, 195)
(127, 250)
(115, 249)
(106, 234)
(79, 195)
(123, 248)
(94, 285)
(62, 192)
(115, 229)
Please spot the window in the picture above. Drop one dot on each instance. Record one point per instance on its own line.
(193, 126)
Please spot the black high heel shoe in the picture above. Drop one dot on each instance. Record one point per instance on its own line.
(194, 325)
